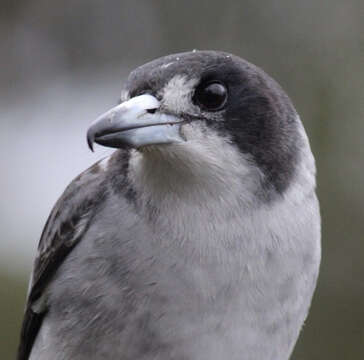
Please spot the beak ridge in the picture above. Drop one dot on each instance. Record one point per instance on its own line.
(134, 123)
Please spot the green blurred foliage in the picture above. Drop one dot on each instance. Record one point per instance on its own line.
(12, 299)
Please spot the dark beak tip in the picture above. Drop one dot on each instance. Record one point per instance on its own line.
(90, 139)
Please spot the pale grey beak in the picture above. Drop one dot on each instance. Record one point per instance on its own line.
(136, 123)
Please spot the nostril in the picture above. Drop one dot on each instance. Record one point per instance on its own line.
(151, 111)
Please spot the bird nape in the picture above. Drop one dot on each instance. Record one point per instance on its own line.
(198, 238)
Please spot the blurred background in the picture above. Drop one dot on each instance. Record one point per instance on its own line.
(62, 64)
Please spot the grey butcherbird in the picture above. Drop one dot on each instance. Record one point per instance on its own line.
(198, 239)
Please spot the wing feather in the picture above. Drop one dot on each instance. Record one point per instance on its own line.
(64, 229)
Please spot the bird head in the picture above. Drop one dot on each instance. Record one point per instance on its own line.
(207, 105)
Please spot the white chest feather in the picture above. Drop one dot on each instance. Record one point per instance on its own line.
(246, 270)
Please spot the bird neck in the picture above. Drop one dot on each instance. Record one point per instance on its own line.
(194, 176)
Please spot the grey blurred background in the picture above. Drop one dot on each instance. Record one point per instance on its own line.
(62, 63)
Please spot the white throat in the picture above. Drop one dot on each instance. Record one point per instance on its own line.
(215, 188)
(205, 170)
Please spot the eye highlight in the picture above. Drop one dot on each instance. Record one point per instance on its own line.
(211, 96)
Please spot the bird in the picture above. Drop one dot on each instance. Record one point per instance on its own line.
(198, 238)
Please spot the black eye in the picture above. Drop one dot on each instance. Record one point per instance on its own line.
(211, 96)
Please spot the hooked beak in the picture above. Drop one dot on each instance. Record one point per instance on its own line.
(136, 123)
